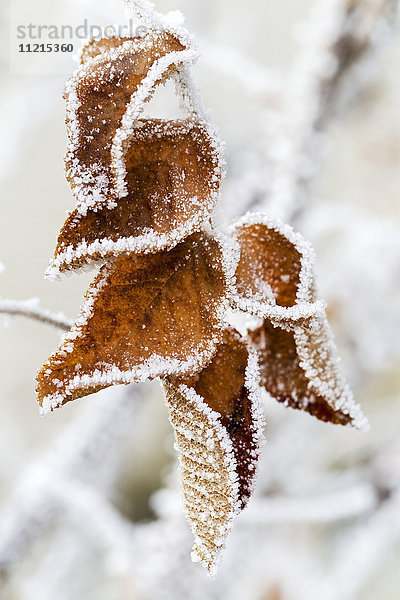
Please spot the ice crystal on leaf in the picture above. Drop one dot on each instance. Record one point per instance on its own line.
(145, 190)
(299, 368)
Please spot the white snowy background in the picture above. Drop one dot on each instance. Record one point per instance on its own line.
(89, 503)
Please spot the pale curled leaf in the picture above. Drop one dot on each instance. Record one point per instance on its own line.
(218, 421)
(173, 175)
(117, 76)
(299, 367)
(142, 317)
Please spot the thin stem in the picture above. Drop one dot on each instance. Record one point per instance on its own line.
(31, 310)
(146, 11)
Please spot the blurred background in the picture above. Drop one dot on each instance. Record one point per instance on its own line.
(306, 96)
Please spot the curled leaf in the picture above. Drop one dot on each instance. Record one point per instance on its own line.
(104, 96)
(143, 317)
(173, 175)
(274, 277)
(297, 354)
(299, 367)
(217, 420)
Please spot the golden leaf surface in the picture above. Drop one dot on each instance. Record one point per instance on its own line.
(217, 420)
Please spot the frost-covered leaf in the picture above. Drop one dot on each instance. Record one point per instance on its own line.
(274, 277)
(172, 173)
(143, 317)
(99, 46)
(299, 367)
(298, 362)
(104, 97)
(217, 419)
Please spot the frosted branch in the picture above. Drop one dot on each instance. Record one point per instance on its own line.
(337, 39)
(96, 515)
(361, 552)
(253, 77)
(146, 11)
(86, 451)
(31, 310)
(325, 508)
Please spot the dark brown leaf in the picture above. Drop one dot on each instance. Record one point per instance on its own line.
(299, 368)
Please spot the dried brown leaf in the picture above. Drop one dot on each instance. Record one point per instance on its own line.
(299, 368)
(142, 317)
(173, 177)
(98, 96)
(274, 277)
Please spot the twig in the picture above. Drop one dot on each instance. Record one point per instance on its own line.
(100, 519)
(253, 77)
(31, 310)
(337, 505)
(146, 11)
